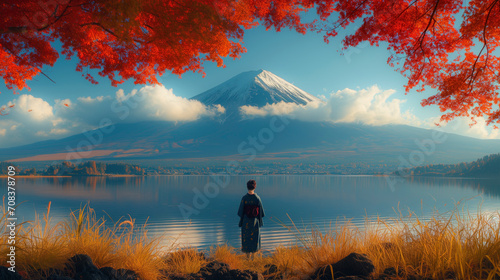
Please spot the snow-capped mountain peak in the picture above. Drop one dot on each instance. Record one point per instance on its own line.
(255, 88)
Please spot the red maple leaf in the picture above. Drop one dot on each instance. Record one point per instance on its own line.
(144, 39)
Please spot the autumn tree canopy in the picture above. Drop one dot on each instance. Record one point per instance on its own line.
(442, 44)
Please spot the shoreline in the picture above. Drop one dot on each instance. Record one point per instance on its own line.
(105, 250)
(131, 175)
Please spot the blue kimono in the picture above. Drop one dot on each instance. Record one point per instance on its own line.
(250, 226)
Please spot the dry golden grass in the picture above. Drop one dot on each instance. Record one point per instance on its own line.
(289, 261)
(461, 244)
(42, 244)
(315, 248)
(119, 246)
(229, 255)
(458, 244)
(85, 234)
(184, 261)
(4, 233)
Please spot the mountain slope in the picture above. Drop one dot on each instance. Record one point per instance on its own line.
(254, 88)
(298, 141)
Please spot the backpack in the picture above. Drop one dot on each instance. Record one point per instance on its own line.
(252, 211)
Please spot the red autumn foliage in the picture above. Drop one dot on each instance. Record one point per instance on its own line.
(442, 44)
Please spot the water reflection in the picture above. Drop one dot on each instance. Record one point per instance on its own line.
(308, 200)
(490, 187)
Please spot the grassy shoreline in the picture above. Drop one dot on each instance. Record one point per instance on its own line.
(460, 244)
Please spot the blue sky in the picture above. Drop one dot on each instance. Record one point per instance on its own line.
(304, 60)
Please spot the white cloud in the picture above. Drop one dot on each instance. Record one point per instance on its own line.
(39, 109)
(463, 127)
(57, 131)
(33, 119)
(280, 108)
(56, 122)
(159, 103)
(219, 109)
(89, 99)
(368, 106)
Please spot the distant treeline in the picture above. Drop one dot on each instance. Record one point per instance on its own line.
(487, 167)
(86, 168)
(4, 168)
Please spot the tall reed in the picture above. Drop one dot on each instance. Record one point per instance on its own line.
(455, 244)
(43, 243)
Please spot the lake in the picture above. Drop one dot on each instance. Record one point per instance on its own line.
(314, 200)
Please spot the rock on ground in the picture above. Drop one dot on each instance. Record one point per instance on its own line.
(353, 265)
(216, 270)
(120, 274)
(83, 268)
(6, 274)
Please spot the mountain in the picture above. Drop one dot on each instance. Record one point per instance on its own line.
(269, 139)
(254, 88)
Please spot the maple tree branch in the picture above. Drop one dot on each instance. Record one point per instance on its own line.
(420, 41)
(473, 75)
(421, 70)
(101, 26)
(405, 9)
(58, 17)
(350, 13)
(431, 19)
(485, 40)
(46, 76)
(78, 5)
(21, 59)
(136, 40)
(23, 29)
(113, 33)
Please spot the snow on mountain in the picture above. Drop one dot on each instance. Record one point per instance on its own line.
(255, 88)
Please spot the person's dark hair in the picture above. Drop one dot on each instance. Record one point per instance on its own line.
(251, 185)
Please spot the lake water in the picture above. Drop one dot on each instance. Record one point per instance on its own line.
(313, 200)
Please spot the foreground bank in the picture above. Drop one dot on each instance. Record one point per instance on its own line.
(447, 246)
(353, 267)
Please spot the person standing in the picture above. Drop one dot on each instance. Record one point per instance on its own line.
(251, 213)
